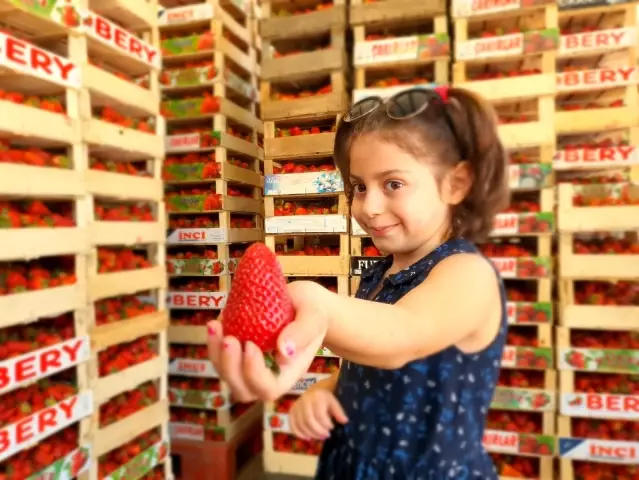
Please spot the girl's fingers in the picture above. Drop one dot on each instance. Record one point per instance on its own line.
(337, 411)
(296, 426)
(258, 377)
(215, 336)
(315, 428)
(230, 369)
(322, 416)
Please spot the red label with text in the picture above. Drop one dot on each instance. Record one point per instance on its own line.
(601, 40)
(596, 157)
(197, 300)
(188, 141)
(595, 79)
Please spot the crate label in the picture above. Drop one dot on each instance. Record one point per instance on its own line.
(67, 467)
(196, 300)
(413, 47)
(277, 422)
(182, 143)
(307, 381)
(498, 441)
(142, 464)
(596, 157)
(118, 38)
(190, 107)
(532, 358)
(306, 224)
(598, 40)
(206, 202)
(183, 77)
(596, 79)
(24, 57)
(522, 267)
(511, 44)
(605, 451)
(356, 229)
(599, 360)
(468, 8)
(387, 92)
(606, 406)
(535, 176)
(303, 183)
(190, 367)
(325, 352)
(190, 172)
(527, 313)
(506, 398)
(30, 367)
(186, 14)
(360, 264)
(199, 399)
(31, 430)
(205, 267)
(574, 4)
(507, 224)
(186, 431)
(196, 236)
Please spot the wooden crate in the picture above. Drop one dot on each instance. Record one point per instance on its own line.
(399, 42)
(310, 265)
(293, 139)
(606, 88)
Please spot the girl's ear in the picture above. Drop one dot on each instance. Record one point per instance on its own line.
(457, 183)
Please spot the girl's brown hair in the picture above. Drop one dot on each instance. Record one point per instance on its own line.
(461, 128)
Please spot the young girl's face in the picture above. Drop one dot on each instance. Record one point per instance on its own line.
(396, 198)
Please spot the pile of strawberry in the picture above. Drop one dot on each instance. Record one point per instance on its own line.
(291, 167)
(33, 460)
(620, 430)
(522, 336)
(18, 277)
(523, 206)
(25, 401)
(521, 378)
(190, 383)
(606, 245)
(204, 285)
(35, 213)
(324, 90)
(50, 104)
(615, 195)
(122, 455)
(124, 168)
(126, 404)
(511, 421)
(120, 260)
(125, 307)
(283, 442)
(212, 201)
(309, 250)
(193, 352)
(589, 105)
(506, 248)
(604, 471)
(123, 213)
(370, 250)
(604, 293)
(610, 383)
(32, 156)
(324, 365)
(108, 114)
(513, 466)
(117, 358)
(396, 82)
(21, 339)
(190, 318)
(298, 131)
(205, 221)
(520, 294)
(286, 208)
(156, 474)
(604, 339)
(188, 253)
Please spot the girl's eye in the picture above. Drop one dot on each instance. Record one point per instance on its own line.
(359, 188)
(393, 185)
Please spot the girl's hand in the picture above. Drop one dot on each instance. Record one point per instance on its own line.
(312, 415)
(246, 372)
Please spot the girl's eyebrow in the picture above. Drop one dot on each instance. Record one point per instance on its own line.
(381, 174)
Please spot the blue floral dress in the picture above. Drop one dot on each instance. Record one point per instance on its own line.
(424, 421)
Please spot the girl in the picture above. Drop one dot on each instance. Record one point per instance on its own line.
(422, 340)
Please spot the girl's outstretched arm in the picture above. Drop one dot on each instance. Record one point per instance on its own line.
(459, 297)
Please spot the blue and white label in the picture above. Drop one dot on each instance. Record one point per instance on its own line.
(605, 451)
(304, 183)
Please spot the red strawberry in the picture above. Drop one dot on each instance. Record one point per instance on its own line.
(258, 306)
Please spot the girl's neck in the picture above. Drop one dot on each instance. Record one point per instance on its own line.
(404, 260)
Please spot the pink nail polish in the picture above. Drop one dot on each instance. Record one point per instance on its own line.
(212, 331)
(289, 348)
(226, 345)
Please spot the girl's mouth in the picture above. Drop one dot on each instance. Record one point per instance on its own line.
(382, 231)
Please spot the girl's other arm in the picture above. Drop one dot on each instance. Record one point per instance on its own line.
(460, 296)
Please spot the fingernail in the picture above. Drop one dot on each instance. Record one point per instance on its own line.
(226, 344)
(249, 349)
(212, 331)
(289, 348)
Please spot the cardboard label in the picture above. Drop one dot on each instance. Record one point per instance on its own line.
(189, 367)
(303, 183)
(30, 367)
(306, 224)
(606, 406)
(413, 47)
(468, 8)
(197, 236)
(529, 177)
(277, 422)
(619, 156)
(307, 381)
(186, 431)
(68, 467)
(599, 360)
(24, 57)
(141, 464)
(530, 400)
(186, 14)
(605, 451)
(522, 267)
(182, 143)
(509, 224)
(532, 358)
(498, 441)
(196, 300)
(203, 267)
(511, 44)
(599, 40)
(525, 313)
(585, 80)
(360, 264)
(33, 429)
(199, 399)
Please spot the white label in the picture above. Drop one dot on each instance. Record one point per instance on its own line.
(186, 14)
(307, 381)
(387, 92)
(491, 47)
(509, 357)
(196, 300)
(605, 451)
(121, 40)
(386, 50)
(29, 431)
(277, 422)
(182, 143)
(306, 224)
(194, 236)
(186, 431)
(192, 368)
(506, 266)
(596, 157)
(590, 405)
(356, 229)
(303, 183)
(24, 57)
(30, 367)
(499, 441)
(596, 79)
(599, 40)
(506, 224)
(468, 8)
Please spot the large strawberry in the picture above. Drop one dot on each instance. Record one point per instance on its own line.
(258, 306)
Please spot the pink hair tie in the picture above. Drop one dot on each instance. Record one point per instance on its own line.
(442, 91)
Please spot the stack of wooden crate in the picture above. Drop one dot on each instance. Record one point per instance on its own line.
(303, 93)
(213, 190)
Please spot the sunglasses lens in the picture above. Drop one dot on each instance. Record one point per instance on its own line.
(409, 103)
(361, 108)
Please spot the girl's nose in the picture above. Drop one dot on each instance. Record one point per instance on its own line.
(373, 203)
